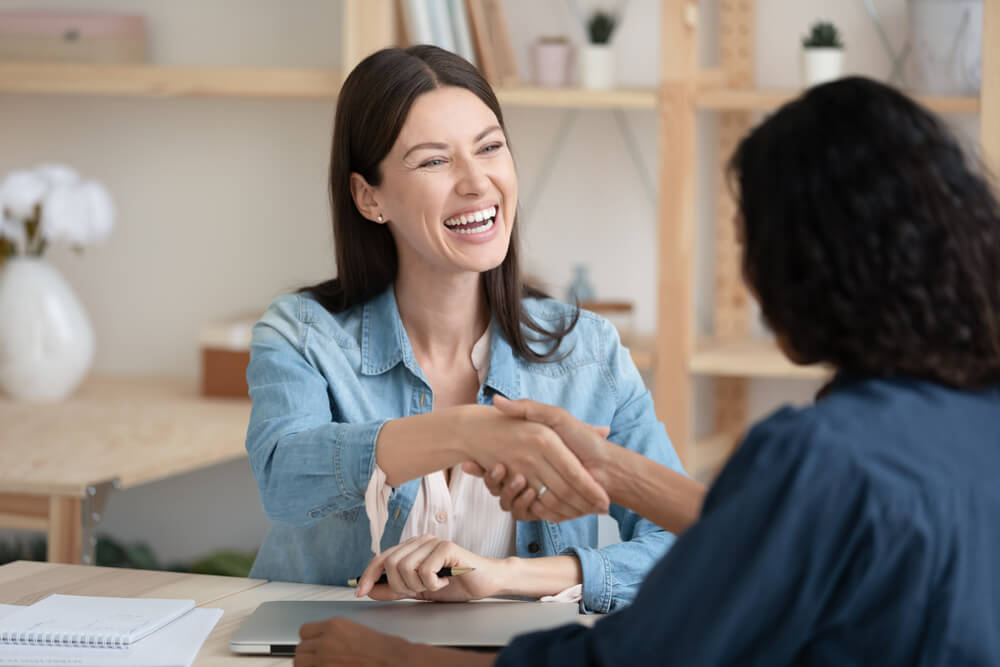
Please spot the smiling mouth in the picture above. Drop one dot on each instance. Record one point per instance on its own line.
(473, 223)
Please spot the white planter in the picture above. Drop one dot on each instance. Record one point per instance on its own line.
(46, 341)
(597, 67)
(820, 65)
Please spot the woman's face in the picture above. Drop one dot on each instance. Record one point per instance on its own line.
(449, 190)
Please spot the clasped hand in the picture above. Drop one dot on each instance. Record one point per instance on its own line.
(517, 494)
(514, 437)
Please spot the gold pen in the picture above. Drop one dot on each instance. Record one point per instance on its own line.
(443, 572)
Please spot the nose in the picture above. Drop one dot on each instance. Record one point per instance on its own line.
(472, 178)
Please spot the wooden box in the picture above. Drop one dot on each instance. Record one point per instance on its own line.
(225, 354)
(77, 37)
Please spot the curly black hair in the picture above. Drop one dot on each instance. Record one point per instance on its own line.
(870, 240)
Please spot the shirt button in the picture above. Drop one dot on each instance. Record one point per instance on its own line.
(441, 517)
(534, 548)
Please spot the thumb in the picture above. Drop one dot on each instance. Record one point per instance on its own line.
(528, 410)
(603, 431)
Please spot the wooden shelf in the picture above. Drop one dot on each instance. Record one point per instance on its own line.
(739, 99)
(276, 82)
(578, 98)
(748, 358)
(168, 81)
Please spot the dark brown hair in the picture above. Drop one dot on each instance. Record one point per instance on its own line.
(871, 241)
(371, 110)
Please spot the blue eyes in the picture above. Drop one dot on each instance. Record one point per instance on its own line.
(437, 162)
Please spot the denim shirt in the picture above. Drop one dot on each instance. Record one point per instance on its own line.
(323, 385)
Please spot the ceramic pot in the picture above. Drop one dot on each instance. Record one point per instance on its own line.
(46, 340)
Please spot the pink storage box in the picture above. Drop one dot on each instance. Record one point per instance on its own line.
(81, 37)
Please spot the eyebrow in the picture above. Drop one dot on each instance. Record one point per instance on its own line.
(440, 146)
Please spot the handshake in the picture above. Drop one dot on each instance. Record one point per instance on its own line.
(542, 462)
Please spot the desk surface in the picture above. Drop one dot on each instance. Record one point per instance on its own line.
(27, 582)
(134, 430)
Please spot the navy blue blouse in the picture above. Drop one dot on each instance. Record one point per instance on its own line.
(861, 530)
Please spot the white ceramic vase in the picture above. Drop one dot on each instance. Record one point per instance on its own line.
(820, 65)
(46, 340)
(597, 66)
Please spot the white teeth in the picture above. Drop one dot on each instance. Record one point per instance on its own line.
(478, 216)
(477, 230)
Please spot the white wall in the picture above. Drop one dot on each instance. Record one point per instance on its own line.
(223, 202)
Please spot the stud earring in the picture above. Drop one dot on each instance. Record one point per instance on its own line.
(380, 217)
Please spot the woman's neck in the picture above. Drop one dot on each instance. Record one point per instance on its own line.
(443, 317)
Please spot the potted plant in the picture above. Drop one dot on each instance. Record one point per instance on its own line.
(46, 340)
(822, 54)
(597, 61)
(553, 57)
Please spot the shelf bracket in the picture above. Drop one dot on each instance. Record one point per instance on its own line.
(633, 150)
(92, 513)
(551, 155)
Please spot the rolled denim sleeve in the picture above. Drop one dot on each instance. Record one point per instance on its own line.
(612, 574)
(306, 464)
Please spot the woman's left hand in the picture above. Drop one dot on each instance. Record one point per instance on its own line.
(412, 567)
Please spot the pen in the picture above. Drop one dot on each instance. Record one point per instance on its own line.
(443, 572)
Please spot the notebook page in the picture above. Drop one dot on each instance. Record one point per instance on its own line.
(90, 619)
(175, 645)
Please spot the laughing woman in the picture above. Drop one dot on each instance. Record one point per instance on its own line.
(370, 390)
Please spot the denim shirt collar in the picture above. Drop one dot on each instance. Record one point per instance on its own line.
(384, 344)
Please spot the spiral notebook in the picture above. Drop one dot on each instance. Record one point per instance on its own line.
(84, 621)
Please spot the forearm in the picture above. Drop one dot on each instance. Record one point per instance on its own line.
(537, 577)
(422, 655)
(655, 492)
(411, 447)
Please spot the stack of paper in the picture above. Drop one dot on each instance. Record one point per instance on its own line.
(67, 630)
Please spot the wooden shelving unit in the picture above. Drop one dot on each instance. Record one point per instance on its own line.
(742, 99)
(285, 83)
(748, 357)
(729, 354)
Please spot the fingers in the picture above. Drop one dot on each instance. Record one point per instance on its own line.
(385, 562)
(312, 630)
(565, 458)
(495, 480)
(473, 468)
(417, 567)
(510, 490)
(520, 507)
(572, 484)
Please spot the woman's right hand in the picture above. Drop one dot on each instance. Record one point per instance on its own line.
(536, 453)
(585, 441)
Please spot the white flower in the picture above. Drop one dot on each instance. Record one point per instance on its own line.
(21, 192)
(79, 214)
(102, 211)
(13, 230)
(58, 174)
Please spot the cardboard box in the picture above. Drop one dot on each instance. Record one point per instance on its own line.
(225, 354)
(76, 37)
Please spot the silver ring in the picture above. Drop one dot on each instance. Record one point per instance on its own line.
(542, 489)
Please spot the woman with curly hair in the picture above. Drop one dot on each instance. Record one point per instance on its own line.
(861, 529)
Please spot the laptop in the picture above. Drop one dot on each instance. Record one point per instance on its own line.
(273, 628)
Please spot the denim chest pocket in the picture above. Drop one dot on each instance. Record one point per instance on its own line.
(325, 512)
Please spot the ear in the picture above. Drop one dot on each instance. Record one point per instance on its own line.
(365, 198)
